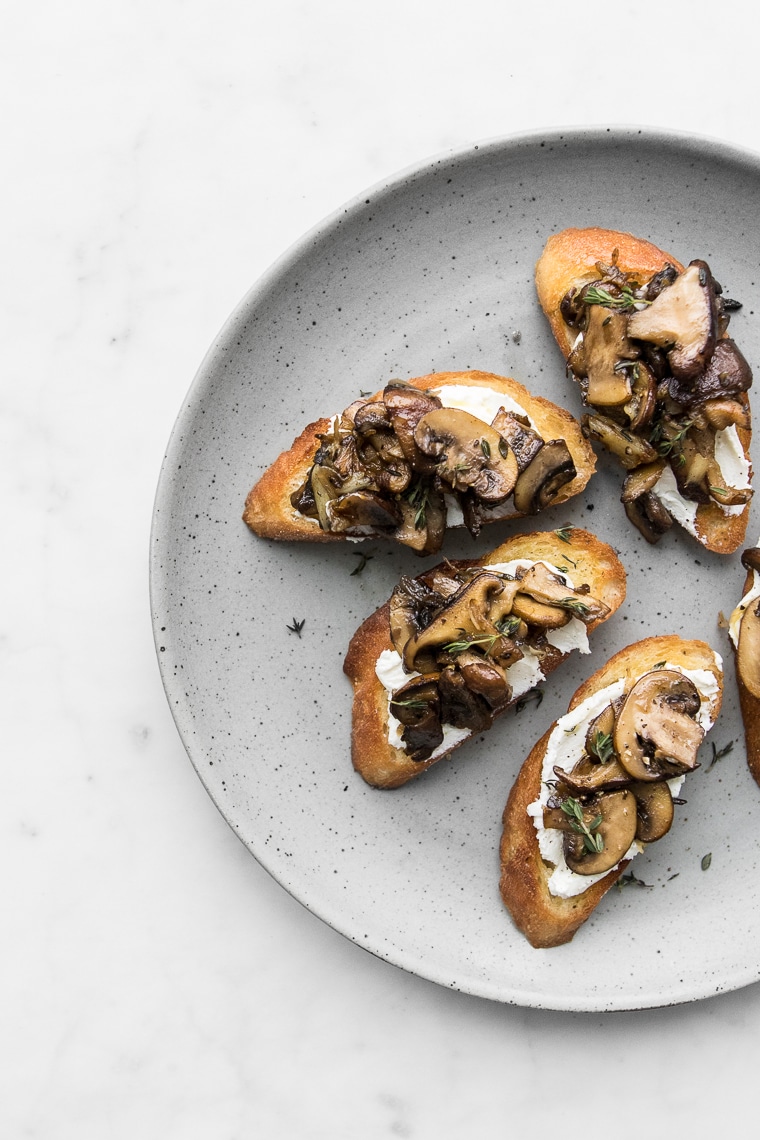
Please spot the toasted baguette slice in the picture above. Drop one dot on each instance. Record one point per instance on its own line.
(545, 918)
(704, 398)
(744, 632)
(270, 513)
(589, 561)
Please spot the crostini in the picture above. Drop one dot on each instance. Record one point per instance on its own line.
(461, 643)
(665, 386)
(744, 632)
(449, 449)
(599, 785)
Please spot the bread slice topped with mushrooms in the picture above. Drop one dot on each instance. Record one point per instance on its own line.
(462, 642)
(665, 386)
(449, 449)
(600, 785)
(744, 632)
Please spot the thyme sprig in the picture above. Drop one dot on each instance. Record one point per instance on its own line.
(718, 755)
(468, 640)
(575, 606)
(601, 746)
(563, 533)
(598, 295)
(364, 559)
(297, 626)
(592, 840)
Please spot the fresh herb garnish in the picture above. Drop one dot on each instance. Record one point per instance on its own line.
(297, 626)
(508, 625)
(364, 560)
(488, 639)
(601, 746)
(485, 447)
(536, 695)
(598, 295)
(575, 606)
(418, 497)
(718, 755)
(630, 880)
(563, 533)
(594, 843)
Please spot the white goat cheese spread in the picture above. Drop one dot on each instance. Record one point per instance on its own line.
(523, 676)
(734, 468)
(565, 747)
(482, 402)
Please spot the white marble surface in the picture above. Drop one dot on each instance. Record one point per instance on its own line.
(158, 157)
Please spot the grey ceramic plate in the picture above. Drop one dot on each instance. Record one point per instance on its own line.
(430, 271)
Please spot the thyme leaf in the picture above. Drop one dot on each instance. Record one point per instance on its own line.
(563, 533)
(601, 746)
(573, 809)
(706, 861)
(297, 626)
(364, 560)
(718, 755)
(598, 295)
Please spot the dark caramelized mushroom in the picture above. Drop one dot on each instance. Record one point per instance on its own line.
(617, 830)
(656, 734)
(682, 319)
(630, 449)
(469, 454)
(654, 810)
(550, 470)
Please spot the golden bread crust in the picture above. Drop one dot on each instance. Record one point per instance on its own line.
(384, 766)
(569, 260)
(544, 919)
(270, 514)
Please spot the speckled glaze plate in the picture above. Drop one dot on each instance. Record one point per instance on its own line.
(432, 271)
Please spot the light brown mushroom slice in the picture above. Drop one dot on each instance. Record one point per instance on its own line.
(748, 649)
(719, 414)
(598, 356)
(470, 454)
(464, 615)
(641, 480)
(653, 736)
(681, 319)
(617, 830)
(548, 472)
(630, 449)
(640, 408)
(654, 810)
(539, 613)
(522, 439)
(543, 585)
(589, 776)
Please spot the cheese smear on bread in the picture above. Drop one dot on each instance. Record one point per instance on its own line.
(564, 749)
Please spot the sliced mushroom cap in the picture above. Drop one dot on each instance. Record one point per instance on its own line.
(522, 439)
(538, 485)
(683, 320)
(485, 678)
(750, 558)
(539, 613)
(361, 511)
(649, 516)
(460, 706)
(406, 406)
(599, 358)
(412, 605)
(544, 585)
(654, 810)
(423, 519)
(589, 776)
(722, 413)
(726, 374)
(469, 453)
(641, 480)
(630, 449)
(466, 613)
(417, 706)
(655, 734)
(641, 406)
(748, 649)
(617, 830)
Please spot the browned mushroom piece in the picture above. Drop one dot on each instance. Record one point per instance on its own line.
(461, 706)
(750, 558)
(551, 588)
(417, 706)
(654, 810)
(486, 678)
(656, 735)
(600, 357)
(727, 373)
(649, 516)
(641, 406)
(539, 613)
(522, 439)
(469, 454)
(593, 776)
(630, 449)
(548, 472)
(683, 320)
(722, 413)
(641, 479)
(423, 518)
(406, 405)
(615, 832)
(361, 511)
(465, 615)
